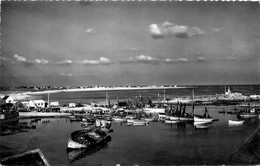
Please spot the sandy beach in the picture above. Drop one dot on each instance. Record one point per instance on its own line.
(18, 96)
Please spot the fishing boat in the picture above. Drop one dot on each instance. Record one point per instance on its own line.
(235, 122)
(202, 126)
(171, 121)
(203, 118)
(87, 138)
(248, 115)
(140, 123)
(174, 118)
(149, 119)
(77, 154)
(118, 119)
(162, 116)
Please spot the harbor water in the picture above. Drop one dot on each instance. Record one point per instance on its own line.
(155, 144)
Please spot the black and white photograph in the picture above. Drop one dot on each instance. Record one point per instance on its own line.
(129, 82)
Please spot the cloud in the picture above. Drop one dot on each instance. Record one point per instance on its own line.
(65, 62)
(19, 58)
(90, 30)
(101, 60)
(179, 60)
(41, 61)
(169, 29)
(141, 59)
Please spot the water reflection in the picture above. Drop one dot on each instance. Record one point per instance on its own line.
(77, 154)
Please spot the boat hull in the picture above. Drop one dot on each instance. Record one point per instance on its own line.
(171, 121)
(234, 122)
(205, 120)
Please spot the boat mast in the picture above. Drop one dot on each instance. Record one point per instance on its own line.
(192, 94)
(164, 95)
(106, 99)
(48, 99)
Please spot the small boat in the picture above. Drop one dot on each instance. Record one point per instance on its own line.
(118, 119)
(202, 126)
(176, 118)
(204, 118)
(87, 138)
(235, 122)
(130, 120)
(77, 154)
(171, 121)
(248, 115)
(149, 119)
(140, 123)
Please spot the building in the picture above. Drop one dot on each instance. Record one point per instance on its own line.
(35, 104)
(8, 99)
(72, 104)
(54, 104)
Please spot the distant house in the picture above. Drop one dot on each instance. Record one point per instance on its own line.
(35, 104)
(54, 104)
(8, 99)
(72, 104)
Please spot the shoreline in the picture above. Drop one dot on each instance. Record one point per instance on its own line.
(24, 95)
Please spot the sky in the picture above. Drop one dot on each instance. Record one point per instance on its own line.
(129, 43)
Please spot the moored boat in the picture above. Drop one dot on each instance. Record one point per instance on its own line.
(235, 122)
(171, 121)
(202, 126)
(203, 118)
(118, 119)
(87, 138)
(140, 123)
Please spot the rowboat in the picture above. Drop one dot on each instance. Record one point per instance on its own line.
(201, 126)
(118, 119)
(235, 122)
(202, 119)
(176, 118)
(248, 115)
(87, 138)
(77, 154)
(171, 121)
(140, 123)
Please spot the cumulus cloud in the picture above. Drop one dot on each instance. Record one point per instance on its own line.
(65, 62)
(179, 60)
(169, 29)
(19, 58)
(89, 30)
(101, 60)
(41, 61)
(141, 59)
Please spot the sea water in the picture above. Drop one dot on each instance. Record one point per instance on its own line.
(155, 144)
(155, 94)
